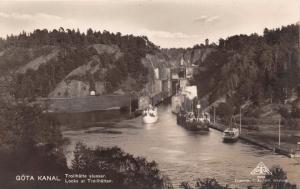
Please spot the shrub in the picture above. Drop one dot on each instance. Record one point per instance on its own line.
(277, 180)
(122, 168)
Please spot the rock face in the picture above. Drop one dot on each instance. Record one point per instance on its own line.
(37, 62)
(75, 84)
(109, 49)
(75, 88)
(190, 55)
(89, 103)
(82, 70)
(171, 58)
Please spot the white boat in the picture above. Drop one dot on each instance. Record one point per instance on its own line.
(231, 135)
(150, 114)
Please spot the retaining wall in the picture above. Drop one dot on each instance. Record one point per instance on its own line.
(89, 103)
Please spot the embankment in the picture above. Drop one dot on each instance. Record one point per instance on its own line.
(89, 103)
(256, 141)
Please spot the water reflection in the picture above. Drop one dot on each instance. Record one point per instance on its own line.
(181, 154)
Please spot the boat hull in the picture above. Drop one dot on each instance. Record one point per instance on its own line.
(230, 135)
(230, 139)
(197, 127)
(192, 125)
(149, 119)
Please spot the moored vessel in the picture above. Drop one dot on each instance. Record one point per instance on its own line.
(231, 135)
(196, 123)
(190, 121)
(150, 114)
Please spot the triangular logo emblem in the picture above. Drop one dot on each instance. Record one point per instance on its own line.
(260, 170)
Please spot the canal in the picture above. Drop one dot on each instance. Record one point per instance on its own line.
(183, 155)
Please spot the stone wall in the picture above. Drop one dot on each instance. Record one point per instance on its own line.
(89, 103)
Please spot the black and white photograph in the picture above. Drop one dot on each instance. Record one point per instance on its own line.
(149, 94)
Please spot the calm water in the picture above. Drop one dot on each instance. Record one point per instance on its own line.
(183, 155)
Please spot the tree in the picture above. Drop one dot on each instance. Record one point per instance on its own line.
(125, 170)
(207, 183)
(277, 180)
(30, 143)
(225, 111)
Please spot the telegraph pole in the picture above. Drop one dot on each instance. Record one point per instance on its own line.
(130, 104)
(214, 115)
(299, 35)
(240, 120)
(279, 133)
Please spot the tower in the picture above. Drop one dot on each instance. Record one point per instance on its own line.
(206, 42)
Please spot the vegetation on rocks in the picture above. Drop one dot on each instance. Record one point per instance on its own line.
(252, 67)
(75, 50)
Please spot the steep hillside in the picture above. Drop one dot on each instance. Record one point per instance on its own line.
(172, 58)
(77, 83)
(64, 63)
(19, 58)
(262, 69)
(37, 62)
(195, 55)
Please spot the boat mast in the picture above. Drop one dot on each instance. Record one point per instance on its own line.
(198, 109)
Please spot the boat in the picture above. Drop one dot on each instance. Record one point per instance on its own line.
(190, 121)
(150, 114)
(196, 123)
(231, 134)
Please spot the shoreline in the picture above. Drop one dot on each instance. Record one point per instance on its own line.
(121, 116)
(256, 141)
(251, 137)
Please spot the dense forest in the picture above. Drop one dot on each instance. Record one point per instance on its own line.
(243, 67)
(253, 67)
(74, 50)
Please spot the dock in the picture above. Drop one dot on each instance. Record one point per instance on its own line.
(275, 149)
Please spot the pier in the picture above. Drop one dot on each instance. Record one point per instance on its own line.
(244, 137)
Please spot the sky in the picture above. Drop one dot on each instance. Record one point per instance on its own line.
(167, 23)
